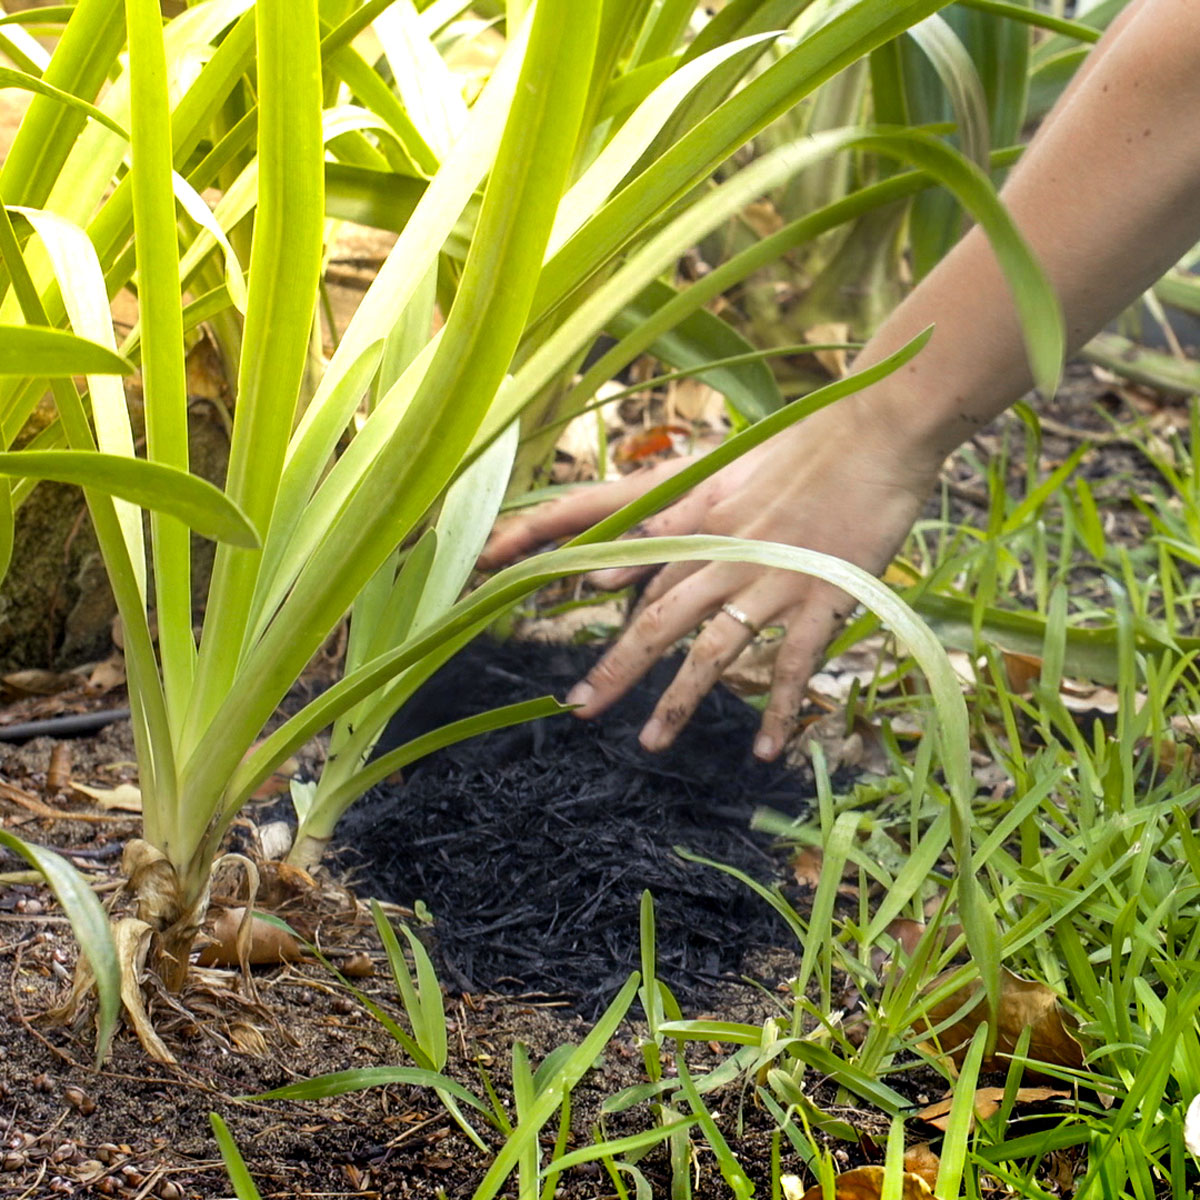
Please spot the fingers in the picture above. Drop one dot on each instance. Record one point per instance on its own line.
(810, 628)
(526, 531)
(685, 516)
(650, 635)
(715, 647)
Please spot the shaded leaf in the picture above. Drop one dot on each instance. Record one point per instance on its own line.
(152, 485)
(987, 1103)
(35, 351)
(862, 1183)
(1023, 1003)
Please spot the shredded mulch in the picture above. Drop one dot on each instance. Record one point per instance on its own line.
(532, 846)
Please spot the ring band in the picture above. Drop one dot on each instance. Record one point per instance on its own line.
(731, 610)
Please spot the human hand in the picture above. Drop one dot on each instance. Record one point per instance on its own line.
(835, 483)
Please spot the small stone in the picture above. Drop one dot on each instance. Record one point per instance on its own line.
(77, 1098)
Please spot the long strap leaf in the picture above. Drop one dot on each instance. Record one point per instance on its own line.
(285, 269)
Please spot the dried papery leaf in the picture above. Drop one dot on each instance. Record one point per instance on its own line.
(1023, 1003)
(806, 865)
(125, 797)
(152, 880)
(866, 1183)
(267, 943)
(274, 839)
(1186, 725)
(248, 1039)
(567, 628)
(833, 361)
(35, 682)
(920, 1160)
(987, 1103)
(1080, 697)
(860, 666)
(132, 940)
(861, 747)
(1191, 1126)
(108, 674)
(1022, 670)
(697, 402)
(750, 673)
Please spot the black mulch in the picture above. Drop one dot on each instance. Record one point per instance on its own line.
(532, 846)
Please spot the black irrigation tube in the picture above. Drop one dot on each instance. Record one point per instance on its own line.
(68, 726)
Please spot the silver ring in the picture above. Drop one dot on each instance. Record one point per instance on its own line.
(731, 610)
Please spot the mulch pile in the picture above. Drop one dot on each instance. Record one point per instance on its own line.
(532, 846)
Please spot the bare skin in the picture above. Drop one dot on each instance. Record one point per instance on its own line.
(1108, 196)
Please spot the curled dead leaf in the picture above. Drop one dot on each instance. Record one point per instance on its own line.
(921, 1160)
(861, 747)
(125, 797)
(987, 1103)
(806, 866)
(1023, 1003)
(862, 1183)
(268, 943)
(1022, 670)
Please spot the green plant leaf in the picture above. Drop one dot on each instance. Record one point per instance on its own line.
(338, 1083)
(700, 338)
(235, 1165)
(10, 78)
(89, 922)
(154, 486)
(33, 351)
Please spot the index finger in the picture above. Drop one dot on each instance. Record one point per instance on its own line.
(569, 515)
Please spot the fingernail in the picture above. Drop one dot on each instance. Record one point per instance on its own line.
(764, 747)
(581, 694)
(651, 738)
(608, 577)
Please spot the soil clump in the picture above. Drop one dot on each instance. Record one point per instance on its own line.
(531, 846)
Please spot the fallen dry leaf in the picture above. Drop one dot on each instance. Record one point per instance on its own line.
(108, 674)
(125, 797)
(36, 682)
(862, 1183)
(833, 361)
(697, 402)
(268, 943)
(862, 747)
(921, 1160)
(1023, 1002)
(1022, 670)
(987, 1103)
(806, 866)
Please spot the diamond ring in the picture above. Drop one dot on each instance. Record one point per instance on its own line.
(731, 610)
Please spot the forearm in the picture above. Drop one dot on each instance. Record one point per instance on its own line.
(1108, 197)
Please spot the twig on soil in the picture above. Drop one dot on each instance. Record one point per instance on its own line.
(34, 805)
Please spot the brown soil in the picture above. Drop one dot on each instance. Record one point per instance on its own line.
(135, 1129)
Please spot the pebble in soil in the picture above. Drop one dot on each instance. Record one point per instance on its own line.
(532, 846)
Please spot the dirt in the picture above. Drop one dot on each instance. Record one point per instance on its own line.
(135, 1129)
